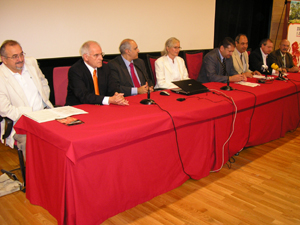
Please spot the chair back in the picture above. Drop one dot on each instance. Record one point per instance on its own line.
(193, 62)
(151, 65)
(60, 84)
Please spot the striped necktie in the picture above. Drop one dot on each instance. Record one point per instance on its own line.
(224, 67)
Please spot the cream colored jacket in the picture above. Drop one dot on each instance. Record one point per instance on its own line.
(13, 102)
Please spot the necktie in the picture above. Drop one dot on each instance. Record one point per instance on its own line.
(283, 60)
(95, 80)
(133, 75)
(224, 67)
(242, 59)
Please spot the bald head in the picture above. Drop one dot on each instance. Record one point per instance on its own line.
(129, 49)
(284, 46)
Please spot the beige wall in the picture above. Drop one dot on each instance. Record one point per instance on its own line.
(278, 6)
(56, 28)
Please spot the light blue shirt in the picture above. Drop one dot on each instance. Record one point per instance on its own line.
(134, 90)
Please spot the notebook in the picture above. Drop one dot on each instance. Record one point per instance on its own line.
(189, 87)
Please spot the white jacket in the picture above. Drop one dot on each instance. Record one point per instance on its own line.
(164, 72)
(13, 102)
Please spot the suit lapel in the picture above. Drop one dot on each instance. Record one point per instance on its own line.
(179, 67)
(246, 57)
(238, 59)
(220, 66)
(167, 64)
(139, 71)
(125, 70)
(279, 59)
(88, 74)
(34, 76)
(15, 85)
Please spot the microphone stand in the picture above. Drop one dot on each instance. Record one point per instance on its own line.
(147, 101)
(227, 87)
(280, 77)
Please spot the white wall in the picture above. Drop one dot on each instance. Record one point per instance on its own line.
(57, 28)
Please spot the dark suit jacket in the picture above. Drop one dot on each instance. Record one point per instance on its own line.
(256, 61)
(121, 75)
(81, 87)
(212, 70)
(275, 57)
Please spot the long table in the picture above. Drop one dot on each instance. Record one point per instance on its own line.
(125, 155)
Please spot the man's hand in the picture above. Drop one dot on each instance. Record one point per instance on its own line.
(118, 99)
(247, 74)
(144, 89)
(256, 73)
(151, 89)
(237, 78)
(282, 70)
(294, 69)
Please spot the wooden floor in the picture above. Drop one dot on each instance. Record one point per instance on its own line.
(262, 187)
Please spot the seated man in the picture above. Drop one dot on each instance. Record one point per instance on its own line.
(23, 87)
(90, 81)
(240, 56)
(218, 66)
(258, 59)
(283, 58)
(129, 71)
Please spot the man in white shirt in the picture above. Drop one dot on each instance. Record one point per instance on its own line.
(240, 56)
(258, 59)
(23, 87)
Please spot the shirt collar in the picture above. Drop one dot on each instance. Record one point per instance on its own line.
(91, 69)
(23, 70)
(238, 52)
(127, 63)
(171, 60)
(263, 53)
(221, 57)
(282, 55)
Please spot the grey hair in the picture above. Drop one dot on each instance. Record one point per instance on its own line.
(125, 44)
(7, 43)
(169, 43)
(85, 48)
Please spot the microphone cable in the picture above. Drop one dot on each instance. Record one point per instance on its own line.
(232, 131)
(176, 138)
(251, 117)
(175, 131)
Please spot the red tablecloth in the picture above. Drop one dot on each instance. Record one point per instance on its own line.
(123, 156)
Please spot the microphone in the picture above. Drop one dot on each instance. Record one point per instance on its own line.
(147, 101)
(265, 68)
(276, 67)
(227, 87)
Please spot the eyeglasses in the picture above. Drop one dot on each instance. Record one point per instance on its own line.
(177, 48)
(16, 56)
(97, 55)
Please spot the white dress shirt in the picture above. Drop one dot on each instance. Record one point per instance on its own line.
(105, 100)
(33, 97)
